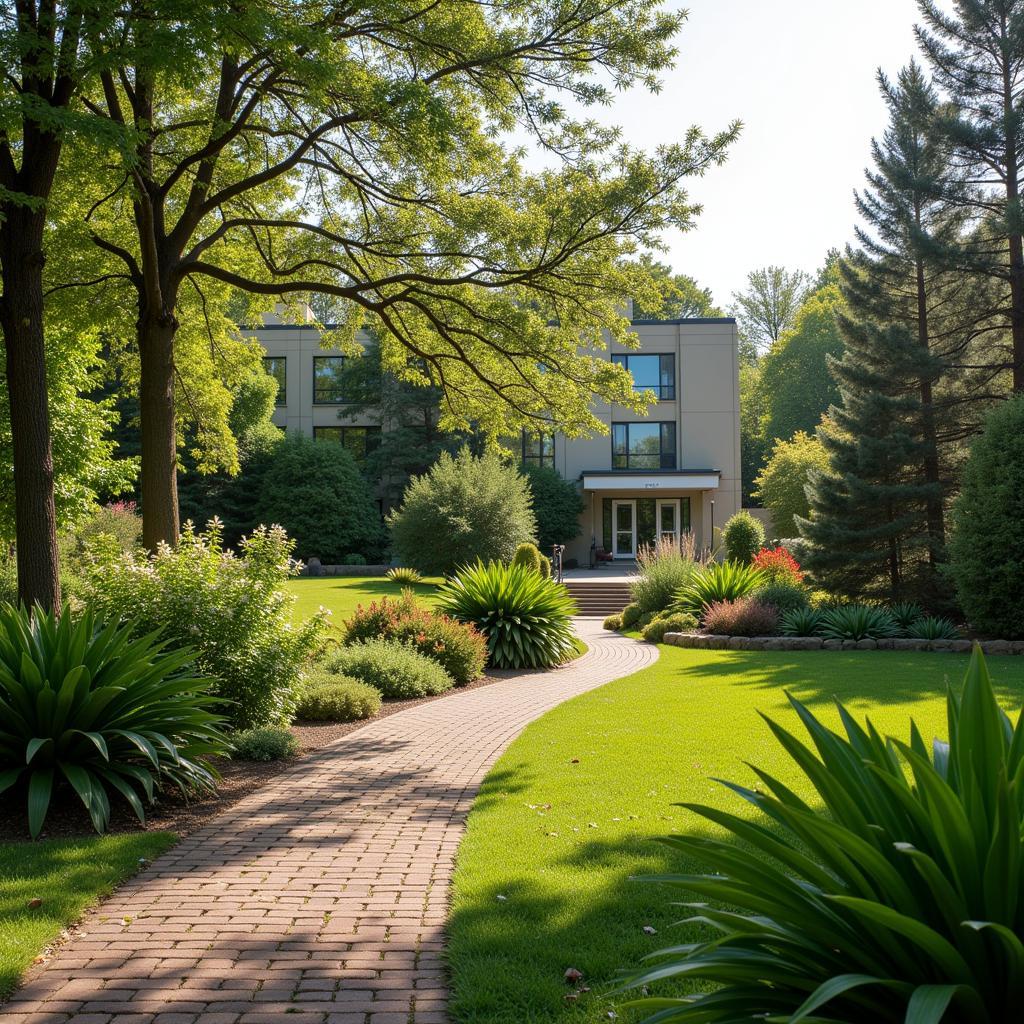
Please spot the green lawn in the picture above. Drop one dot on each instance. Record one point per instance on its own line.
(343, 594)
(69, 876)
(573, 807)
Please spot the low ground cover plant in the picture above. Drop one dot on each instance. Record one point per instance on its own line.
(801, 621)
(858, 622)
(396, 670)
(458, 647)
(405, 575)
(264, 743)
(677, 622)
(526, 617)
(232, 609)
(101, 709)
(327, 697)
(933, 627)
(746, 616)
(663, 568)
(897, 900)
(718, 581)
(782, 596)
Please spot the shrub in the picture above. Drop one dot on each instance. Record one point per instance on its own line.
(783, 597)
(462, 509)
(933, 627)
(778, 566)
(986, 547)
(745, 616)
(719, 581)
(265, 743)
(801, 621)
(858, 622)
(613, 622)
(353, 559)
(904, 613)
(326, 697)
(557, 504)
(780, 485)
(100, 708)
(314, 490)
(405, 575)
(232, 609)
(526, 618)
(663, 568)
(743, 536)
(397, 670)
(631, 615)
(545, 566)
(460, 649)
(680, 622)
(528, 556)
(891, 896)
(119, 520)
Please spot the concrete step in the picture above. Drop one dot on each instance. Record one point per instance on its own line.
(598, 598)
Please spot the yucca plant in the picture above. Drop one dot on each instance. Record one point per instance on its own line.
(904, 613)
(933, 627)
(858, 622)
(104, 712)
(801, 622)
(526, 617)
(718, 581)
(405, 575)
(898, 900)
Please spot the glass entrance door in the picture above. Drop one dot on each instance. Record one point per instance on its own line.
(624, 529)
(668, 521)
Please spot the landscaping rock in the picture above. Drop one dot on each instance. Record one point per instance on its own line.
(716, 641)
(832, 645)
(996, 646)
(902, 644)
(850, 645)
(942, 645)
(867, 644)
(1017, 646)
(314, 568)
(885, 643)
(736, 643)
(961, 646)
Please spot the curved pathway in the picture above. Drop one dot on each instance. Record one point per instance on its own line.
(322, 895)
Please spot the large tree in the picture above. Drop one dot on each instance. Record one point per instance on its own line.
(679, 295)
(768, 305)
(976, 54)
(355, 152)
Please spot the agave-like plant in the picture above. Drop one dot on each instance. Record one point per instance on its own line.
(103, 711)
(899, 900)
(526, 617)
(405, 575)
(858, 622)
(718, 581)
(801, 622)
(933, 627)
(904, 613)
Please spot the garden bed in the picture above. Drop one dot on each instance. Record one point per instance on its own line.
(717, 641)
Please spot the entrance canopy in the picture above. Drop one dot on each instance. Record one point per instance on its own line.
(655, 480)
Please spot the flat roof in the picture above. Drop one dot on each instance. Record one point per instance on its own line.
(689, 320)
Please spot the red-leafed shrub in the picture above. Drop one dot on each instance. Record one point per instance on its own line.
(460, 649)
(778, 566)
(745, 616)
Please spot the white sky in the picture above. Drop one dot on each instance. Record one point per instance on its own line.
(800, 74)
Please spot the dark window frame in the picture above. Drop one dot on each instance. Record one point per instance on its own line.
(319, 392)
(372, 436)
(281, 399)
(662, 391)
(628, 460)
(542, 459)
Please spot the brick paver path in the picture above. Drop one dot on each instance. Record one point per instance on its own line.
(322, 895)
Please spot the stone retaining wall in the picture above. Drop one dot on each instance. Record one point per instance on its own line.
(314, 568)
(712, 641)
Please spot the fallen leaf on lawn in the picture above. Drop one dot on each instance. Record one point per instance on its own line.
(648, 930)
(591, 824)
(572, 975)
(575, 760)
(571, 997)
(35, 904)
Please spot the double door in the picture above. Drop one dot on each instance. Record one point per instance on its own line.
(625, 527)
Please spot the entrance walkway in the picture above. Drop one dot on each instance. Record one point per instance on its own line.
(323, 895)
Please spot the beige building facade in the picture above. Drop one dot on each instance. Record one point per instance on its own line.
(673, 470)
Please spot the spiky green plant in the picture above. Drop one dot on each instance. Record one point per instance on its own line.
(526, 617)
(858, 622)
(801, 622)
(104, 712)
(719, 581)
(933, 627)
(405, 575)
(904, 613)
(898, 900)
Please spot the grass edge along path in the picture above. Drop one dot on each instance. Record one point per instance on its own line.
(574, 807)
(69, 876)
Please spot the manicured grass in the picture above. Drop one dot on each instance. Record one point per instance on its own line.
(69, 876)
(573, 809)
(341, 595)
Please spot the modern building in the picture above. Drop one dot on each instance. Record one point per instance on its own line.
(673, 470)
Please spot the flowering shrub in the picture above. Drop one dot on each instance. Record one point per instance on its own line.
(778, 566)
(459, 648)
(396, 670)
(230, 609)
(745, 616)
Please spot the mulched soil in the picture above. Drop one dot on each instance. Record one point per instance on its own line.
(172, 813)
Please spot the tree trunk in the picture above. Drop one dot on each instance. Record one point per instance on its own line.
(21, 316)
(158, 476)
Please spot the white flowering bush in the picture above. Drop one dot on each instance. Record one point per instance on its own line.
(231, 609)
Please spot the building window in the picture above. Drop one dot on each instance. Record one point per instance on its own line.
(277, 367)
(360, 441)
(538, 449)
(655, 373)
(644, 445)
(327, 379)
